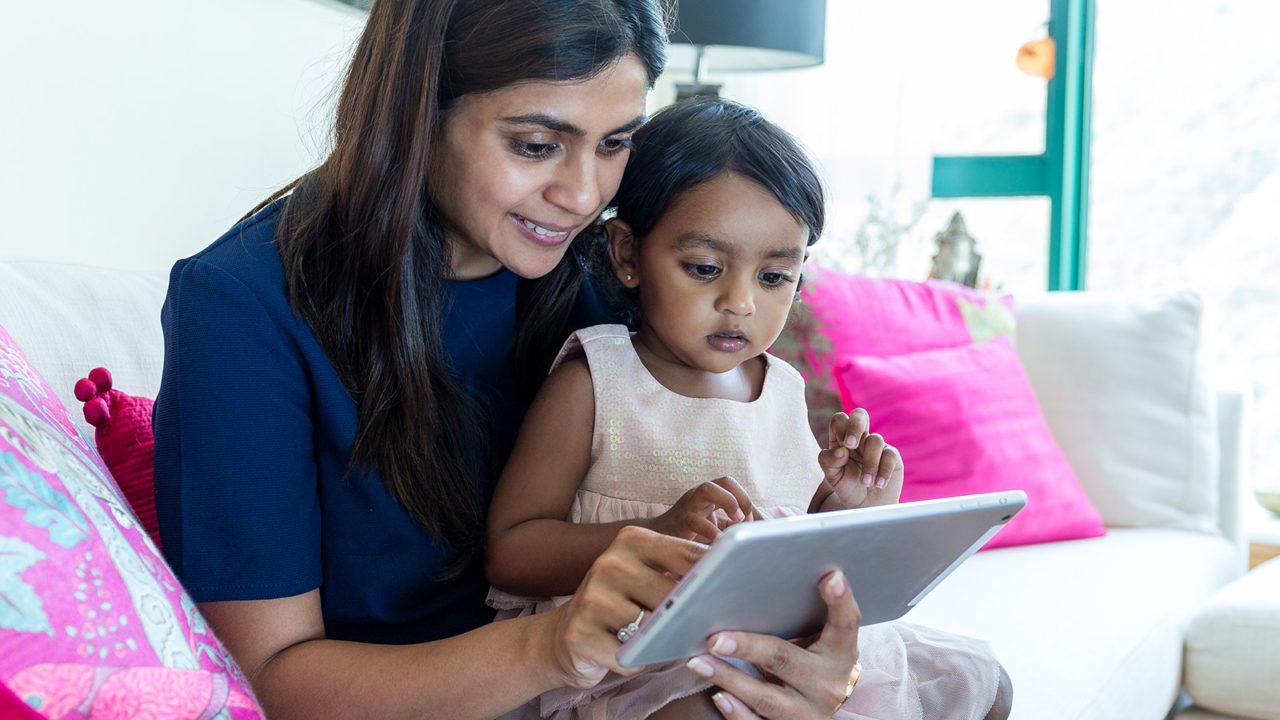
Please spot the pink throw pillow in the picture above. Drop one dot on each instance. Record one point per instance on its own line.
(93, 623)
(966, 421)
(125, 440)
(844, 316)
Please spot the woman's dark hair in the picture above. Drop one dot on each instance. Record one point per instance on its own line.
(691, 143)
(365, 258)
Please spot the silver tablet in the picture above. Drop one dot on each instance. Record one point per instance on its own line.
(763, 576)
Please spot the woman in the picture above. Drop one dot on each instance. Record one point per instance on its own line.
(345, 370)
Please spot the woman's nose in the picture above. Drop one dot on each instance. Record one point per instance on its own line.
(576, 187)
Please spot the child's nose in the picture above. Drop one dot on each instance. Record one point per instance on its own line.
(736, 299)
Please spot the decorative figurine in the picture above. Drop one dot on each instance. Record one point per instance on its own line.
(957, 258)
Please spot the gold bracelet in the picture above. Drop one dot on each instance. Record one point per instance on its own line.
(854, 676)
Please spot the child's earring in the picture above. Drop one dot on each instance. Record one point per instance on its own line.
(628, 277)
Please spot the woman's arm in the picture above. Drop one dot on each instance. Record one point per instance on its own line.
(532, 549)
(297, 673)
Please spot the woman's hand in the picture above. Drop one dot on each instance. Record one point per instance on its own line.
(805, 682)
(694, 516)
(859, 469)
(635, 573)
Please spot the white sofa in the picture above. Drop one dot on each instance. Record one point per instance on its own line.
(1086, 629)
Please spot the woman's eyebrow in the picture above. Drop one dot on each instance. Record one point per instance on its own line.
(560, 126)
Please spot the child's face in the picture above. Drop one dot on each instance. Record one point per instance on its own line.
(718, 274)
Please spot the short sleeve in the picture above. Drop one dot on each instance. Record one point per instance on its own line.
(235, 472)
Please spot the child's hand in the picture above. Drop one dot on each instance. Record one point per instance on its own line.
(694, 516)
(859, 469)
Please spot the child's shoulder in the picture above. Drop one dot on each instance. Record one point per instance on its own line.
(784, 370)
(575, 347)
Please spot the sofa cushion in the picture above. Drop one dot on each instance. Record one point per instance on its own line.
(965, 420)
(1087, 629)
(1122, 380)
(842, 316)
(1232, 659)
(70, 318)
(92, 621)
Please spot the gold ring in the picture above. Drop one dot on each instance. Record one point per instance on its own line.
(854, 676)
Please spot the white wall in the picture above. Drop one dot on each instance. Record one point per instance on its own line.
(133, 132)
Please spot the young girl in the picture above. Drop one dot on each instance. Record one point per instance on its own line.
(688, 425)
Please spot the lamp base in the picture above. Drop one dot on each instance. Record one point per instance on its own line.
(684, 91)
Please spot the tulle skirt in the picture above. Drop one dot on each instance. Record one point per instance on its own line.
(909, 672)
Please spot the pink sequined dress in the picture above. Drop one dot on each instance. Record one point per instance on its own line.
(649, 446)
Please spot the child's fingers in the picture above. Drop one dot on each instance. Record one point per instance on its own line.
(836, 430)
(833, 461)
(701, 528)
(890, 465)
(871, 452)
(848, 430)
(742, 501)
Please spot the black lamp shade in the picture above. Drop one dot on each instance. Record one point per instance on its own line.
(750, 34)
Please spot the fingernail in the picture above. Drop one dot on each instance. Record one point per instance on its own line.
(851, 442)
(840, 452)
(881, 482)
(835, 584)
(722, 703)
(723, 645)
(700, 667)
(867, 479)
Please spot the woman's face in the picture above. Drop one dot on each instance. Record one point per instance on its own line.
(524, 169)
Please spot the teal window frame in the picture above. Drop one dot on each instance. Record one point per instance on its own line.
(1061, 172)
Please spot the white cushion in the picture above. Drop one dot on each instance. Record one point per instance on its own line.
(1087, 629)
(69, 319)
(1233, 647)
(1122, 382)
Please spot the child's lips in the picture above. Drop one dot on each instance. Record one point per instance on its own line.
(728, 340)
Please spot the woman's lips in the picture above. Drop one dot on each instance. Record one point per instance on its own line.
(546, 236)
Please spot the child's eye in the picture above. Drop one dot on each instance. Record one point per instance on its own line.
(613, 146)
(702, 271)
(775, 279)
(532, 150)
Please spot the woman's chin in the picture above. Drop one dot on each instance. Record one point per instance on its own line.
(534, 265)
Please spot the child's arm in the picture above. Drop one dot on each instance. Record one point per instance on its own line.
(532, 549)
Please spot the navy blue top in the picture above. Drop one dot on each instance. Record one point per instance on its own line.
(253, 432)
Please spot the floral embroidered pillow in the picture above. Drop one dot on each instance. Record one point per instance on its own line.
(92, 621)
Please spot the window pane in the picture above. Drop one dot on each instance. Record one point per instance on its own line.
(894, 92)
(1186, 176)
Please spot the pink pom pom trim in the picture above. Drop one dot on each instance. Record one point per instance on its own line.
(101, 377)
(92, 392)
(96, 412)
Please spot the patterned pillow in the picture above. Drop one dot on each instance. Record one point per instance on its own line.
(92, 621)
(845, 316)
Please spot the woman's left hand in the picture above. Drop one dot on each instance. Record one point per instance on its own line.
(806, 682)
(859, 469)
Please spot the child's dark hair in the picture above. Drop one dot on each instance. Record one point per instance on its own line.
(693, 142)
